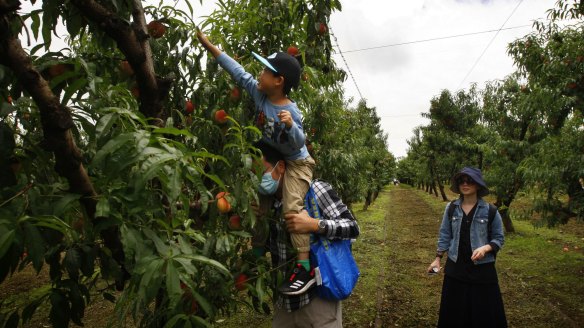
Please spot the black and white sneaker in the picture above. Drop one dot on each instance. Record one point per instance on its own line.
(299, 281)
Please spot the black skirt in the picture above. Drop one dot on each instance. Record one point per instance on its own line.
(465, 304)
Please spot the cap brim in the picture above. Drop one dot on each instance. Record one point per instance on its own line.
(264, 61)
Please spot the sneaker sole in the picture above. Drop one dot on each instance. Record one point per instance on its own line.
(302, 290)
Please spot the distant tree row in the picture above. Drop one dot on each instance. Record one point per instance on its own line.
(526, 131)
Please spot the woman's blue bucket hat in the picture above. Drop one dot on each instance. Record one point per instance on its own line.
(474, 174)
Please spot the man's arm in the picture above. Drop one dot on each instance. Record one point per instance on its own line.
(339, 221)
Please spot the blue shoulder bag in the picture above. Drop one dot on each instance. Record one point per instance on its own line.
(335, 268)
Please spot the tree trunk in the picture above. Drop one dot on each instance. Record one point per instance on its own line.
(56, 121)
(367, 201)
(442, 193)
(507, 223)
(434, 189)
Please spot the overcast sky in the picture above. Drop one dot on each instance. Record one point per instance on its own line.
(401, 80)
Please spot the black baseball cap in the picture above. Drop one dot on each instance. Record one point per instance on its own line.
(283, 64)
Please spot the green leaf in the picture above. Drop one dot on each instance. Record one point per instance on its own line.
(206, 260)
(33, 240)
(88, 256)
(202, 321)
(31, 308)
(216, 179)
(111, 146)
(60, 313)
(35, 26)
(161, 247)
(175, 184)
(204, 154)
(174, 320)
(6, 241)
(203, 303)
(102, 208)
(77, 304)
(72, 262)
(74, 21)
(173, 131)
(72, 88)
(187, 265)
(64, 202)
(51, 222)
(152, 279)
(172, 283)
(105, 123)
(260, 288)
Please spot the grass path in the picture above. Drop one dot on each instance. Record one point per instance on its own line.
(541, 283)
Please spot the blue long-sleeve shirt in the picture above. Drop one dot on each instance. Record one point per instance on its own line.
(288, 141)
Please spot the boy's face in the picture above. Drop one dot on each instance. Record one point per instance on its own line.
(268, 81)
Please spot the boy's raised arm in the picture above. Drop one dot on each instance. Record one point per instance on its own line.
(241, 77)
(207, 44)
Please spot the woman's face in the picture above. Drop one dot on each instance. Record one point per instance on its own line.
(467, 185)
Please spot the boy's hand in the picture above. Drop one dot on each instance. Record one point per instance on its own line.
(300, 223)
(285, 118)
(207, 44)
(203, 39)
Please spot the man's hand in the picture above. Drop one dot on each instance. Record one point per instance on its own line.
(256, 208)
(285, 118)
(480, 252)
(300, 223)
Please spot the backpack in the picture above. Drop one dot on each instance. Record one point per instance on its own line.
(491, 216)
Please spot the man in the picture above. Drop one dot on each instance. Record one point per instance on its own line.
(307, 309)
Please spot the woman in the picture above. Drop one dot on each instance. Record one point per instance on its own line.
(470, 293)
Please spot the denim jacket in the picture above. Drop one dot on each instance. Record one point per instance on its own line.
(450, 231)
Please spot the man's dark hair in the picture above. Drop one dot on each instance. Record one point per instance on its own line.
(271, 155)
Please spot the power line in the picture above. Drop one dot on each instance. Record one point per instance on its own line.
(435, 39)
(345, 61)
(396, 116)
(488, 45)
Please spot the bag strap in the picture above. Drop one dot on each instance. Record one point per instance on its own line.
(491, 218)
(451, 209)
(311, 203)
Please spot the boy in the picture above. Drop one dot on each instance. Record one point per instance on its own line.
(280, 121)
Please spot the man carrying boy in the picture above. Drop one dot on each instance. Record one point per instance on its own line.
(308, 309)
(280, 121)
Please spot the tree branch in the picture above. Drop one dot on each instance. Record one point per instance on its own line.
(132, 40)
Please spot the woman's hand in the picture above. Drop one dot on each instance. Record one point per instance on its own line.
(435, 264)
(480, 252)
